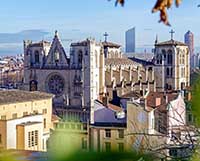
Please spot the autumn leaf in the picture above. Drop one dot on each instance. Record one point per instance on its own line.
(160, 6)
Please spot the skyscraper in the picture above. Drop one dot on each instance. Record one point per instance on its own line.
(189, 40)
(130, 40)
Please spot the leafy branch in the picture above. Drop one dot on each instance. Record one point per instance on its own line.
(161, 6)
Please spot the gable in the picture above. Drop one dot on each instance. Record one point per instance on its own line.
(56, 55)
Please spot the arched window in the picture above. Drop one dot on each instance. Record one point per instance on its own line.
(164, 54)
(183, 59)
(37, 57)
(159, 59)
(80, 58)
(96, 59)
(167, 72)
(180, 59)
(169, 57)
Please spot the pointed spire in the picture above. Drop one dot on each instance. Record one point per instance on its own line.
(56, 33)
(156, 41)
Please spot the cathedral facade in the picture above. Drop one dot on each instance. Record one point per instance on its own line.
(91, 71)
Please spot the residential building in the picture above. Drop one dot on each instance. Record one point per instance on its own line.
(25, 120)
(107, 133)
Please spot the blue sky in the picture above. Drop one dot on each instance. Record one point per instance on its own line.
(79, 19)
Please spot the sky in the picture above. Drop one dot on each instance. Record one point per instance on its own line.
(77, 20)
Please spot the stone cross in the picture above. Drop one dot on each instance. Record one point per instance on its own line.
(106, 36)
(172, 34)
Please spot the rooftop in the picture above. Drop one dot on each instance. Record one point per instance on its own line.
(160, 100)
(17, 96)
(110, 44)
(170, 42)
(39, 44)
(119, 61)
(141, 61)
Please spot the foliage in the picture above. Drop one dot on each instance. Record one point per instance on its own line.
(116, 156)
(161, 6)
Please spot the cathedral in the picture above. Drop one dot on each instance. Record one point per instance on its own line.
(93, 70)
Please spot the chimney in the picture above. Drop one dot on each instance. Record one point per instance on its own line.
(158, 101)
(166, 98)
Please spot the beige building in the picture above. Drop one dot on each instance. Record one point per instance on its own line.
(25, 120)
(172, 65)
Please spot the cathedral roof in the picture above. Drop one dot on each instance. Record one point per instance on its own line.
(141, 61)
(39, 44)
(170, 43)
(119, 61)
(17, 96)
(110, 44)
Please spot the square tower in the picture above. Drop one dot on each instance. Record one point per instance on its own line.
(172, 65)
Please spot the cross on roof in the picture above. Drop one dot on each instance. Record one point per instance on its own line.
(172, 34)
(106, 36)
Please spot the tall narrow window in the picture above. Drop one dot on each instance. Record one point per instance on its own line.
(96, 59)
(45, 123)
(169, 57)
(80, 58)
(121, 133)
(37, 57)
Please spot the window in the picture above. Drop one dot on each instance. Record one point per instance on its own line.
(121, 147)
(164, 53)
(108, 146)
(36, 137)
(25, 113)
(32, 138)
(45, 123)
(37, 57)
(96, 59)
(35, 112)
(84, 143)
(108, 133)
(169, 57)
(159, 59)
(168, 72)
(80, 58)
(3, 117)
(121, 133)
(44, 111)
(14, 116)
